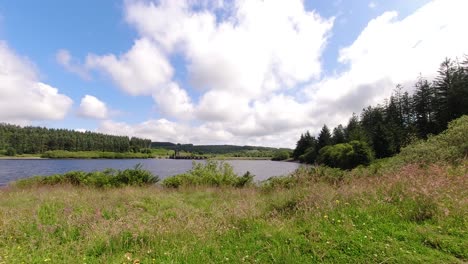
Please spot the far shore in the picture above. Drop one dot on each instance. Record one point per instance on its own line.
(211, 158)
(20, 158)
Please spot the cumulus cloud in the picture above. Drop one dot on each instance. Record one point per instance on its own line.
(91, 107)
(207, 133)
(64, 58)
(140, 71)
(391, 51)
(253, 67)
(257, 48)
(23, 98)
(174, 101)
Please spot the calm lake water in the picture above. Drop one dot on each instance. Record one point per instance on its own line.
(11, 170)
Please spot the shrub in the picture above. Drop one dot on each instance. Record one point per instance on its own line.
(10, 152)
(450, 145)
(345, 155)
(309, 156)
(211, 173)
(107, 178)
(280, 155)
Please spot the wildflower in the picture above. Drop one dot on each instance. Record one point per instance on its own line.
(325, 216)
(128, 256)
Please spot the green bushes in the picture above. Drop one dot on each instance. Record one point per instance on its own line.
(280, 155)
(345, 155)
(107, 178)
(449, 146)
(211, 173)
(309, 156)
(10, 152)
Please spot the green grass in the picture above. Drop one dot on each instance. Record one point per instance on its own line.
(415, 216)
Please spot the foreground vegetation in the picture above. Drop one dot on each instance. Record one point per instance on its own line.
(105, 179)
(392, 211)
(414, 214)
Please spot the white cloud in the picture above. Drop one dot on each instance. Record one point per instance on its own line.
(391, 51)
(64, 58)
(91, 107)
(247, 61)
(207, 133)
(236, 54)
(259, 47)
(174, 101)
(372, 5)
(23, 98)
(140, 71)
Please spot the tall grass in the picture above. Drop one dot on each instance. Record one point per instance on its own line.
(415, 215)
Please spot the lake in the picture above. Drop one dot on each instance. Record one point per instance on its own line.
(11, 170)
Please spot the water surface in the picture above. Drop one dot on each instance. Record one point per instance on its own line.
(11, 170)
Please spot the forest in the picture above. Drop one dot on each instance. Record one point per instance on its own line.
(226, 150)
(36, 140)
(382, 131)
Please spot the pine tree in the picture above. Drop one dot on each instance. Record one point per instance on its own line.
(324, 138)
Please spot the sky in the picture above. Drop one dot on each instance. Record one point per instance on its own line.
(245, 72)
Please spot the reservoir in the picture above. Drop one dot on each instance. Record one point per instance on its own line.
(11, 170)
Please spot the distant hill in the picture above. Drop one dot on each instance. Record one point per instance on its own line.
(213, 149)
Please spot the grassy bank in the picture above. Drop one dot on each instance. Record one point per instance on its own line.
(414, 215)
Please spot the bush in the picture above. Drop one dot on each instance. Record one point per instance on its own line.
(309, 156)
(280, 155)
(345, 155)
(107, 178)
(450, 145)
(10, 152)
(211, 173)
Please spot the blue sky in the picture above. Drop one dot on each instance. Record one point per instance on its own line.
(211, 72)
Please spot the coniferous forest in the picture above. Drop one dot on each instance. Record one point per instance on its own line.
(382, 131)
(35, 140)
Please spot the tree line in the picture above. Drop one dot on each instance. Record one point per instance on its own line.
(232, 150)
(36, 140)
(383, 130)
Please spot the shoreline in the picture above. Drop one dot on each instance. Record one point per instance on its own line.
(212, 158)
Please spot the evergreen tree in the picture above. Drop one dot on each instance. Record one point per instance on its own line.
(423, 106)
(324, 138)
(306, 141)
(354, 130)
(338, 135)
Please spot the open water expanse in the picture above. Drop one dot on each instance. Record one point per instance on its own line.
(11, 170)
